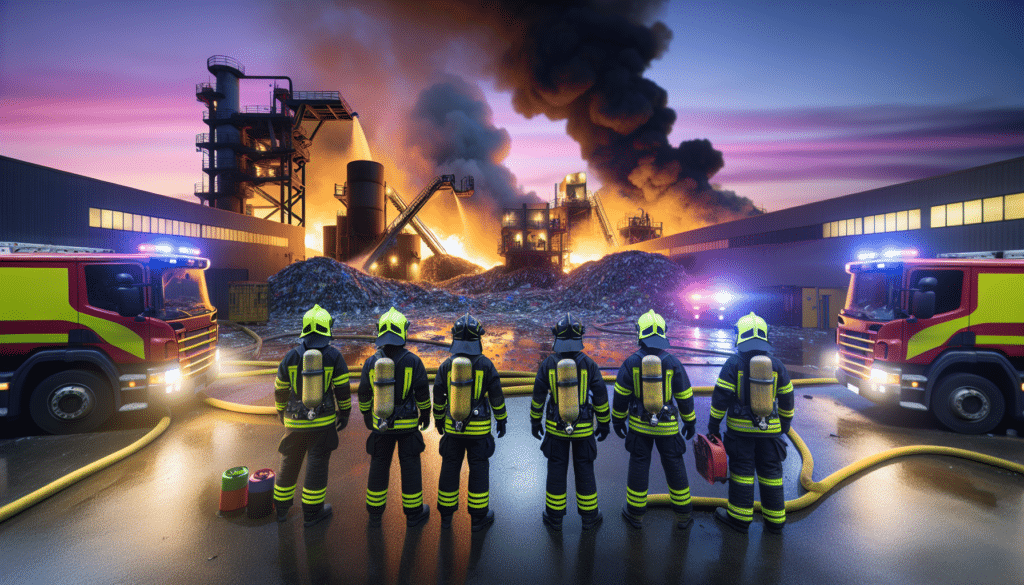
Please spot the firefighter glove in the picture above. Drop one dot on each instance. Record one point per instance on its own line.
(620, 427)
(785, 425)
(713, 432)
(368, 420)
(341, 422)
(537, 429)
(439, 425)
(501, 428)
(689, 430)
(602, 431)
(424, 419)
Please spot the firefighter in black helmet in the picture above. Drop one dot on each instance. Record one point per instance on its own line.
(467, 390)
(394, 397)
(576, 395)
(313, 402)
(653, 391)
(755, 396)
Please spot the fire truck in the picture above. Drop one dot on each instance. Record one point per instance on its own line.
(85, 332)
(942, 334)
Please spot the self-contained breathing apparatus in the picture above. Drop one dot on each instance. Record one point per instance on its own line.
(315, 399)
(572, 405)
(460, 393)
(761, 383)
(654, 393)
(384, 392)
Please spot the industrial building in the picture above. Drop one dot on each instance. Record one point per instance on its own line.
(790, 264)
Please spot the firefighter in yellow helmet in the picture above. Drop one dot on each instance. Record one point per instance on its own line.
(467, 390)
(313, 402)
(653, 391)
(394, 397)
(755, 396)
(570, 382)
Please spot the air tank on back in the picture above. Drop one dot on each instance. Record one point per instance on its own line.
(365, 194)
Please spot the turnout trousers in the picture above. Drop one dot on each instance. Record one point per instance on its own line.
(381, 447)
(671, 448)
(762, 456)
(584, 452)
(477, 451)
(315, 447)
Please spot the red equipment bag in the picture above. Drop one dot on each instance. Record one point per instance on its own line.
(711, 460)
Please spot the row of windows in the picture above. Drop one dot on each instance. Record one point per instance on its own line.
(701, 247)
(898, 221)
(133, 222)
(1002, 208)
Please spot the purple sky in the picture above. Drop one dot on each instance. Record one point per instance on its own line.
(805, 101)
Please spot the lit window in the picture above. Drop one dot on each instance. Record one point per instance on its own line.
(857, 228)
(137, 223)
(901, 221)
(106, 219)
(1014, 206)
(118, 220)
(94, 217)
(955, 214)
(824, 230)
(146, 224)
(992, 209)
(129, 221)
(972, 211)
(939, 216)
(914, 219)
(890, 222)
(869, 224)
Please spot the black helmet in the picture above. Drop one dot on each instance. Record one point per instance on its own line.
(466, 335)
(568, 334)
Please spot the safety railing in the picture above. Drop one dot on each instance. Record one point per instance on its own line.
(316, 96)
(226, 62)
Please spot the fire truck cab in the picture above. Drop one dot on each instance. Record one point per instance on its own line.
(85, 333)
(941, 334)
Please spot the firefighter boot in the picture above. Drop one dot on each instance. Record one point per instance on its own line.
(634, 520)
(684, 521)
(552, 522)
(590, 521)
(446, 521)
(418, 518)
(723, 516)
(282, 512)
(481, 522)
(321, 514)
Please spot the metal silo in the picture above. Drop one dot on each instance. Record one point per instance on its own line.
(365, 194)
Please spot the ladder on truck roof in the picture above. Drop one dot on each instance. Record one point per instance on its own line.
(22, 248)
(991, 254)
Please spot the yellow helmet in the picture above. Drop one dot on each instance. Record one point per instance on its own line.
(651, 330)
(317, 322)
(392, 328)
(752, 333)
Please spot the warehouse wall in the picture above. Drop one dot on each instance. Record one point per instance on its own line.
(44, 205)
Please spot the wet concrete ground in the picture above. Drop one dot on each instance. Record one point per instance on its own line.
(153, 517)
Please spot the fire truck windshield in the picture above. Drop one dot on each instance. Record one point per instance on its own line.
(184, 293)
(873, 296)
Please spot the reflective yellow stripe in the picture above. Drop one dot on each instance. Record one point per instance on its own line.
(619, 389)
(771, 481)
(744, 479)
(407, 384)
(34, 338)
(716, 413)
(668, 385)
(999, 340)
(726, 385)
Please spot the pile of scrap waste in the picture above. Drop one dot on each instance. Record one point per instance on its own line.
(623, 283)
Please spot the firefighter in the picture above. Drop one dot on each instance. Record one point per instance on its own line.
(467, 390)
(755, 391)
(653, 391)
(311, 393)
(578, 396)
(394, 397)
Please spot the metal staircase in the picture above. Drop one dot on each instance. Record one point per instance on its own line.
(606, 226)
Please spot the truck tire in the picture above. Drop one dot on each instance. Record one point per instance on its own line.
(968, 403)
(74, 401)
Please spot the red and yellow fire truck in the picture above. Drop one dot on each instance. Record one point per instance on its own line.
(941, 334)
(85, 333)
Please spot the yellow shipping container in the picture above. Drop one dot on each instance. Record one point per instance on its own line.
(248, 302)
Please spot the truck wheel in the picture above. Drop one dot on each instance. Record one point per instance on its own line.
(68, 402)
(967, 403)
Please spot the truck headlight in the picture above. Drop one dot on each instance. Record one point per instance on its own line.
(171, 379)
(879, 376)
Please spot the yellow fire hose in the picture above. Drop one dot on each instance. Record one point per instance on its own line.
(81, 473)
